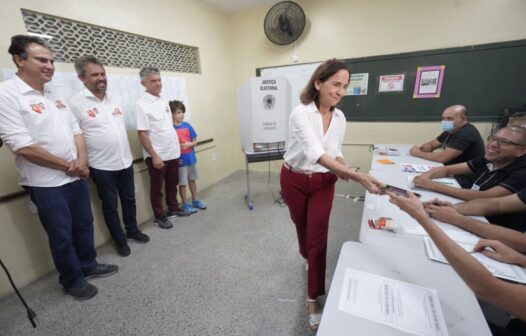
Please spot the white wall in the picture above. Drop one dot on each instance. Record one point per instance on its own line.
(359, 28)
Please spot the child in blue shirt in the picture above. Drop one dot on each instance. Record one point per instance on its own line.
(187, 162)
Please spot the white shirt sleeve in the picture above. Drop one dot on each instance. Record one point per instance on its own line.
(13, 130)
(74, 125)
(73, 107)
(73, 117)
(143, 123)
(302, 129)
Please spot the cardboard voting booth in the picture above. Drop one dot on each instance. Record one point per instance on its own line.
(263, 105)
(263, 109)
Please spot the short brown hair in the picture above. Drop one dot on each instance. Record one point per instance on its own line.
(323, 72)
(177, 105)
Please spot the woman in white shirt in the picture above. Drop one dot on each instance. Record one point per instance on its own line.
(313, 163)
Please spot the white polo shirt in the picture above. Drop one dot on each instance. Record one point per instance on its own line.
(154, 116)
(307, 143)
(28, 117)
(102, 124)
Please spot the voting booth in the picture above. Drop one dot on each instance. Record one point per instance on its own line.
(263, 108)
(263, 105)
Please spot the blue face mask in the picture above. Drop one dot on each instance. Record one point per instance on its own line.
(447, 125)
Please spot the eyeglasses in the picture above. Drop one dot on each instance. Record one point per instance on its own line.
(505, 142)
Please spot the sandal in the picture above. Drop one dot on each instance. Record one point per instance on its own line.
(314, 318)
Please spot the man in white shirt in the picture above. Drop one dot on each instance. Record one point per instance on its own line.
(161, 147)
(101, 119)
(51, 158)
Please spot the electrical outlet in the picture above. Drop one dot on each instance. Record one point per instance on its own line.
(214, 156)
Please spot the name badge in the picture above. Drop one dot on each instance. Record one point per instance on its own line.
(475, 187)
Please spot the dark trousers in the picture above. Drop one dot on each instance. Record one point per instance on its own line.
(309, 198)
(169, 174)
(111, 183)
(65, 214)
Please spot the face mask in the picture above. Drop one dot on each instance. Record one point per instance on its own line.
(447, 126)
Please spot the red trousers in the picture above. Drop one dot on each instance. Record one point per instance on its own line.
(309, 198)
(169, 174)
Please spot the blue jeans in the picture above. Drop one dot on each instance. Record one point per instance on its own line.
(65, 213)
(110, 183)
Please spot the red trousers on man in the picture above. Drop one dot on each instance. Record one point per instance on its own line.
(309, 198)
(169, 174)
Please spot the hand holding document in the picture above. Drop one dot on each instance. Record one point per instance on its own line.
(395, 303)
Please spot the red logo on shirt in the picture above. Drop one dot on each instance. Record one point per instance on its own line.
(116, 111)
(37, 107)
(92, 113)
(60, 104)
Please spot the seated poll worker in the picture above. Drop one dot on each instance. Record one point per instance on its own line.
(501, 172)
(313, 163)
(460, 141)
(508, 296)
(458, 214)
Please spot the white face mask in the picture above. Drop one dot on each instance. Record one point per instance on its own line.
(447, 125)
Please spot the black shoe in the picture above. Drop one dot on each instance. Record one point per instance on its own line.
(138, 237)
(82, 291)
(102, 270)
(164, 223)
(178, 213)
(122, 248)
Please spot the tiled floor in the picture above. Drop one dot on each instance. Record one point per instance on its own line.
(223, 271)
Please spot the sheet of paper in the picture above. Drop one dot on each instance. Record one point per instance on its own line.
(497, 268)
(391, 83)
(464, 239)
(416, 168)
(358, 84)
(395, 303)
(414, 229)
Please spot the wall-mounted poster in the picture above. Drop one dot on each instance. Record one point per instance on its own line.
(429, 81)
(391, 83)
(358, 84)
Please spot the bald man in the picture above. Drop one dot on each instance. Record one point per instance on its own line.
(460, 141)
